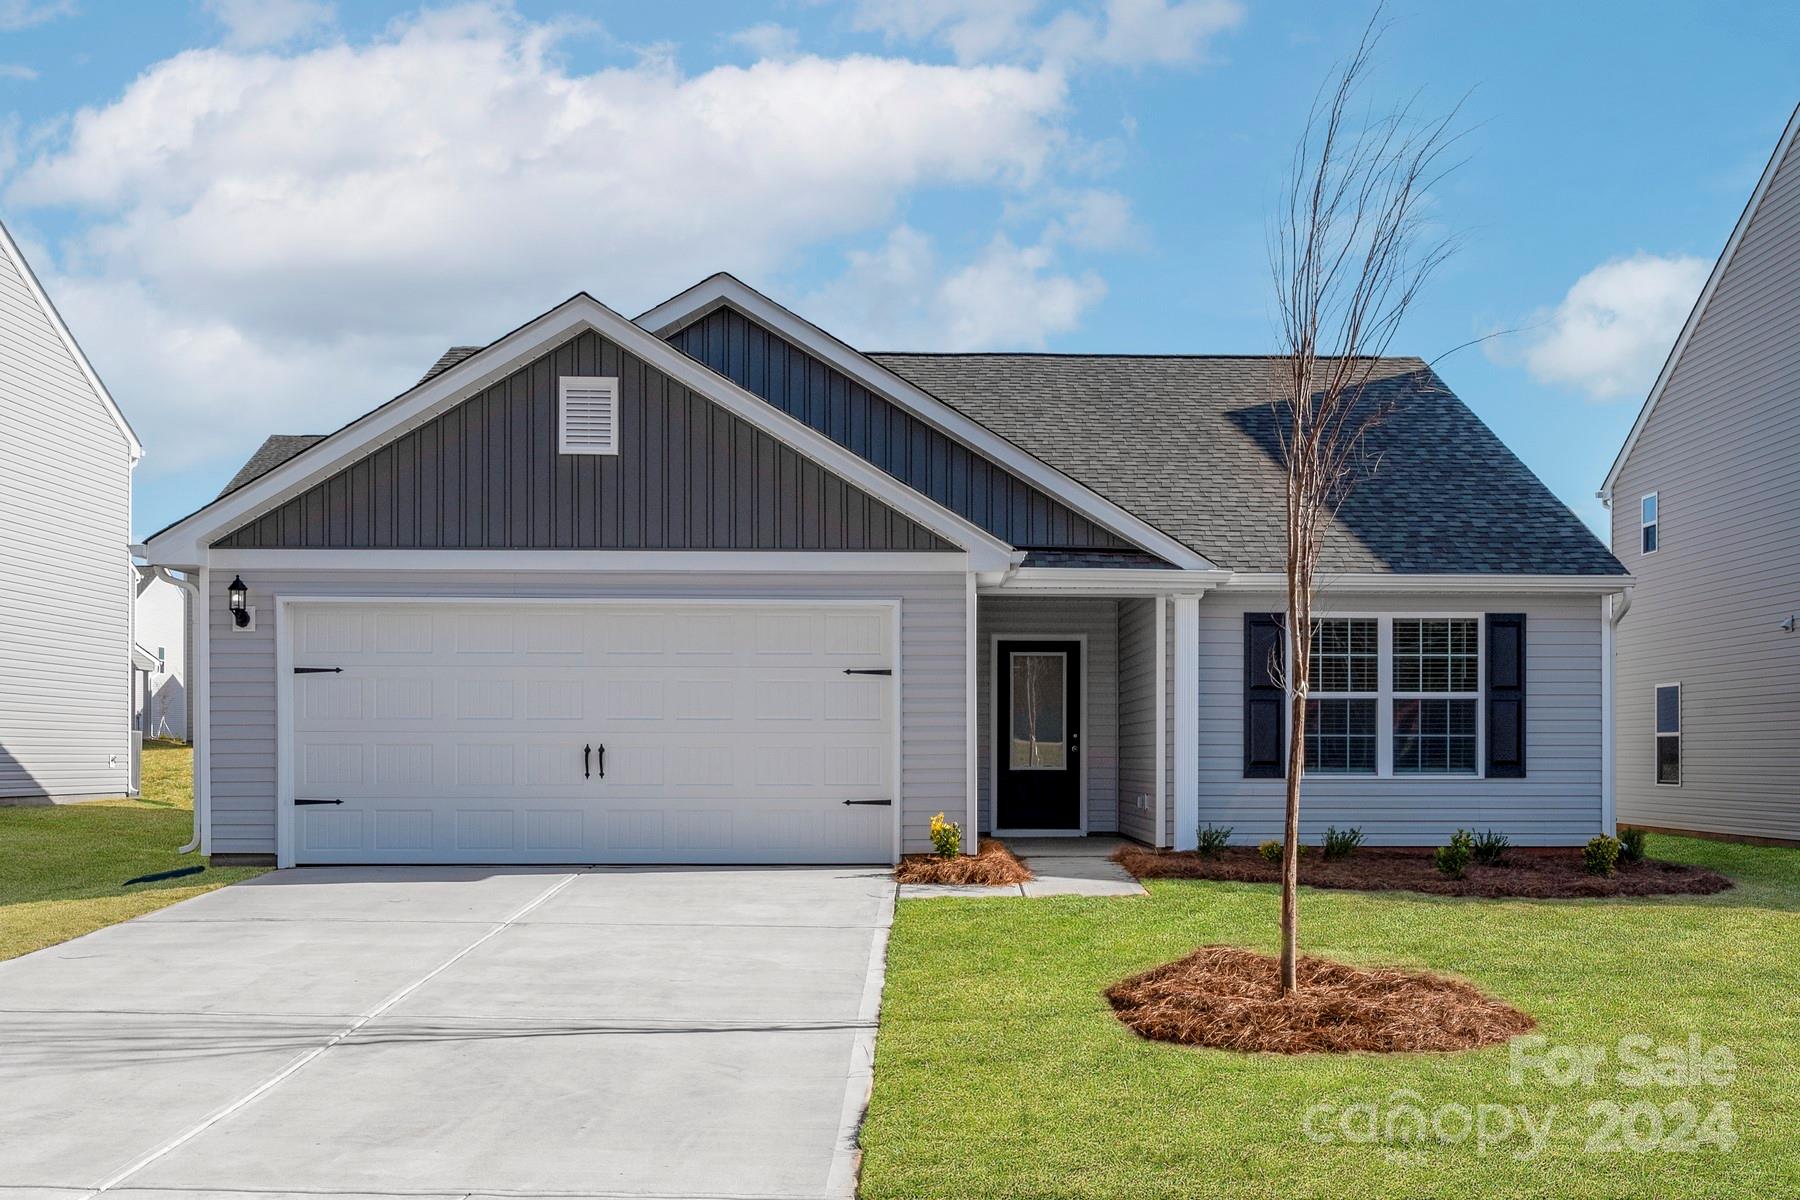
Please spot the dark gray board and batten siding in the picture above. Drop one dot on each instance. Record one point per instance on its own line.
(487, 474)
(912, 451)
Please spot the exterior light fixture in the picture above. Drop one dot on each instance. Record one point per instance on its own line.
(239, 602)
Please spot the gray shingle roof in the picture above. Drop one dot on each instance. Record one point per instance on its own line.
(1187, 444)
(448, 359)
(275, 450)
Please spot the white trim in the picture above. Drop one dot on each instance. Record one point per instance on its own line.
(716, 290)
(184, 542)
(284, 673)
(1699, 310)
(1658, 735)
(1275, 581)
(708, 561)
(1186, 834)
(201, 658)
(1162, 721)
(971, 715)
(134, 447)
(1609, 824)
(1101, 581)
(994, 747)
(1655, 499)
(607, 384)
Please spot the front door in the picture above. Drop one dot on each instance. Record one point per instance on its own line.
(1038, 735)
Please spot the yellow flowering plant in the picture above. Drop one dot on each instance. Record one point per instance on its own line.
(946, 836)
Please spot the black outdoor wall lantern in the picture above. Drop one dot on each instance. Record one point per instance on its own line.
(239, 603)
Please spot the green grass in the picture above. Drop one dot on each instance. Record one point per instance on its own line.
(1001, 1072)
(63, 866)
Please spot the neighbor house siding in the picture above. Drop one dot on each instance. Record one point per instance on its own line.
(917, 454)
(1050, 617)
(1557, 803)
(1722, 451)
(487, 474)
(932, 633)
(1138, 717)
(65, 575)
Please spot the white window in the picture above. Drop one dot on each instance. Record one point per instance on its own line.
(1437, 695)
(1343, 686)
(1668, 734)
(1647, 518)
(588, 414)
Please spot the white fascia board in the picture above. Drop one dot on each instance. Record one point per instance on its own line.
(186, 542)
(1586, 585)
(721, 289)
(615, 561)
(11, 250)
(1099, 581)
(1699, 310)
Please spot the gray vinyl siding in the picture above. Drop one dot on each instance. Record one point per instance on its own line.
(1054, 616)
(1722, 452)
(65, 577)
(1557, 803)
(907, 448)
(487, 474)
(1138, 717)
(932, 633)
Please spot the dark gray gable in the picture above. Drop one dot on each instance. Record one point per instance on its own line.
(486, 474)
(920, 456)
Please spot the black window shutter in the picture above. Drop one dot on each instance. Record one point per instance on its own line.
(1265, 644)
(1506, 695)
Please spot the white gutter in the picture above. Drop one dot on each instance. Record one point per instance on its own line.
(1491, 583)
(1612, 610)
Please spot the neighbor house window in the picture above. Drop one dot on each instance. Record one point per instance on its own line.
(1343, 682)
(1437, 692)
(1647, 517)
(1668, 734)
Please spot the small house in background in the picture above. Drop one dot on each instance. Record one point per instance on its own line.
(66, 579)
(162, 624)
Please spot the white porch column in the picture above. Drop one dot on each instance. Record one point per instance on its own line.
(1186, 834)
(971, 723)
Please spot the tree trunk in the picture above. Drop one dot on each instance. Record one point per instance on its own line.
(1299, 638)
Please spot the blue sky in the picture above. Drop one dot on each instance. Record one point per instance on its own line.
(269, 215)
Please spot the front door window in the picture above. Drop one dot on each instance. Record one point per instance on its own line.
(1040, 684)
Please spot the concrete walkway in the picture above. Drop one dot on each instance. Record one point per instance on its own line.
(453, 1032)
(1062, 866)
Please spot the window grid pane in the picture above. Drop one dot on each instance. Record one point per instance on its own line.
(1434, 737)
(1668, 759)
(1668, 709)
(1437, 656)
(1345, 656)
(1340, 737)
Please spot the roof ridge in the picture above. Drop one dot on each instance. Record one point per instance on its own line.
(1121, 354)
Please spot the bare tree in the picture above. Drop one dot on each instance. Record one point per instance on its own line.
(1349, 249)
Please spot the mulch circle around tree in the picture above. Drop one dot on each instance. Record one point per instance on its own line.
(1545, 873)
(1229, 998)
(991, 864)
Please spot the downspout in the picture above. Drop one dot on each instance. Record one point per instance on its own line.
(1612, 610)
(198, 734)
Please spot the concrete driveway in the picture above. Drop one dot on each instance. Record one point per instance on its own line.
(453, 1031)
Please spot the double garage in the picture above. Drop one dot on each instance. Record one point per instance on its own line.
(629, 731)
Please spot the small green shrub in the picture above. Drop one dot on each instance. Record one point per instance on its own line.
(1631, 845)
(1271, 851)
(1601, 855)
(1490, 848)
(1453, 859)
(946, 836)
(1214, 839)
(1342, 843)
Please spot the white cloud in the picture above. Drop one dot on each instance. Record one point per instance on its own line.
(17, 71)
(901, 296)
(1610, 334)
(768, 40)
(23, 14)
(251, 23)
(278, 240)
(1113, 32)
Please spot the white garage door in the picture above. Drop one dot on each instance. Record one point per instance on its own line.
(601, 733)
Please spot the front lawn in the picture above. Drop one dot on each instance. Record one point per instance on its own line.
(62, 866)
(1000, 1070)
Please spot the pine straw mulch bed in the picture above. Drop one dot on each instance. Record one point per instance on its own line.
(992, 863)
(1229, 998)
(1545, 873)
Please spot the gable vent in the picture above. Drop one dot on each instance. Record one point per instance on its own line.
(589, 415)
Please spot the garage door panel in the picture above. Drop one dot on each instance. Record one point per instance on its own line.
(731, 733)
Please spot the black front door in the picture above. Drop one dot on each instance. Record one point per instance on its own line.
(1037, 736)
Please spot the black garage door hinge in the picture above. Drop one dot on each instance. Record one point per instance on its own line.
(318, 670)
(881, 803)
(868, 670)
(300, 800)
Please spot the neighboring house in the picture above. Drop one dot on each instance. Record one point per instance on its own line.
(66, 457)
(163, 620)
(1703, 498)
(715, 587)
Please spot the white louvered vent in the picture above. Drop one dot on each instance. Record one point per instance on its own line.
(589, 415)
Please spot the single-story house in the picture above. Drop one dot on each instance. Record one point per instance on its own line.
(713, 586)
(163, 619)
